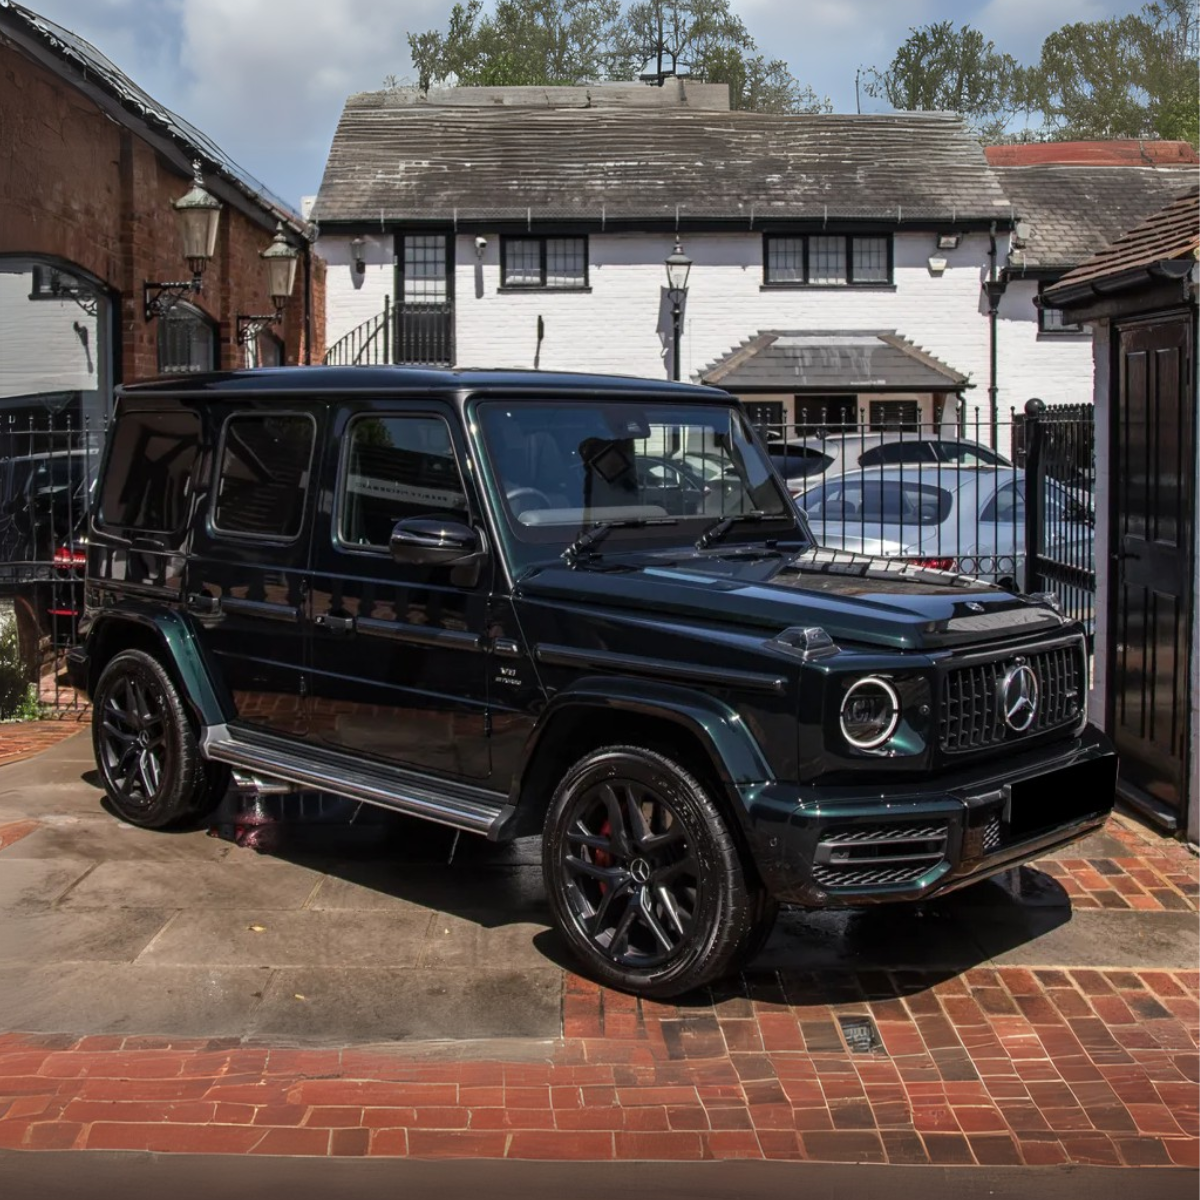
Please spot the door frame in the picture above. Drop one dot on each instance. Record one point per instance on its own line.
(1117, 328)
(398, 236)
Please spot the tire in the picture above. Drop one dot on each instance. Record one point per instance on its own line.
(146, 748)
(762, 924)
(643, 874)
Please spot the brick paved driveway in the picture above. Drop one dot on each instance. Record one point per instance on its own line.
(354, 992)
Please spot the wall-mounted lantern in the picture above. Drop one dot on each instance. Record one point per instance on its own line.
(198, 215)
(281, 258)
(679, 267)
(358, 254)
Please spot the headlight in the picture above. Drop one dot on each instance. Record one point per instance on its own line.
(870, 713)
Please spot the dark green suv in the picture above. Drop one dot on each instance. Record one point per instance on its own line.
(477, 597)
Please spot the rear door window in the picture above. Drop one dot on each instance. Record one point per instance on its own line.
(263, 481)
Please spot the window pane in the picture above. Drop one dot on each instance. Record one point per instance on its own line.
(522, 262)
(827, 260)
(399, 467)
(894, 414)
(870, 260)
(785, 260)
(154, 497)
(425, 268)
(185, 341)
(264, 473)
(1053, 321)
(566, 260)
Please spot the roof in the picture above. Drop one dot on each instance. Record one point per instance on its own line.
(78, 58)
(1128, 152)
(392, 161)
(832, 361)
(1173, 233)
(333, 382)
(1073, 211)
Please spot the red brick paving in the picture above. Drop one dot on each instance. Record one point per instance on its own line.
(23, 739)
(991, 1067)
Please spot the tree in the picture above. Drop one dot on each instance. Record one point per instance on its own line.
(940, 68)
(545, 42)
(1132, 76)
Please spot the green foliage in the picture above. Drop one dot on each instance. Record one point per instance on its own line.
(940, 68)
(18, 697)
(549, 42)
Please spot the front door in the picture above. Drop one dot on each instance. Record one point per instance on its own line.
(425, 307)
(399, 669)
(1153, 468)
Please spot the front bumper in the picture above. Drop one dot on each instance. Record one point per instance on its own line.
(835, 847)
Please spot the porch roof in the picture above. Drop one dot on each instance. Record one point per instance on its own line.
(827, 361)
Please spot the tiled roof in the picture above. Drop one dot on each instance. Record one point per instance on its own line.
(831, 360)
(1172, 233)
(395, 161)
(1073, 211)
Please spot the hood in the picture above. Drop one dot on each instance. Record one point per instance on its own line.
(856, 599)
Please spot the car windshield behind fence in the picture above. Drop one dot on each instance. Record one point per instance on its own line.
(665, 472)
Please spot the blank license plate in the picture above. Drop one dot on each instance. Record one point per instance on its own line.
(1061, 797)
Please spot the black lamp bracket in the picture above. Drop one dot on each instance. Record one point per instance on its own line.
(158, 298)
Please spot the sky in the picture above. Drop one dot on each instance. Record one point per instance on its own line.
(267, 79)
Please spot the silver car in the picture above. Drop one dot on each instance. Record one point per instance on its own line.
(964, 519)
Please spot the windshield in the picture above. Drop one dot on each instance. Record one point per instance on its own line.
(562, 467)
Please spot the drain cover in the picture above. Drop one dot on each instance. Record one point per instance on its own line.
(861, 1035)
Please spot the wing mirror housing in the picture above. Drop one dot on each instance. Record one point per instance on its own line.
(437, 542)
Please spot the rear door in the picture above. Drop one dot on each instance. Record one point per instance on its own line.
(398, 652)
(247, 584)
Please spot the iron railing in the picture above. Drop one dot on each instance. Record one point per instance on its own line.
(415, 334)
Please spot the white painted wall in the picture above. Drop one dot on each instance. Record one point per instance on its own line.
(623, 324)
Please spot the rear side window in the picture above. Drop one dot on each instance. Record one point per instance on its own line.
(883, 501)
(262, 483)
(149, 481)
(397, 467)
(914, 451)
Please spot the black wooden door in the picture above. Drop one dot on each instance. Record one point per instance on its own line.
(1154, 465)
(424, 312)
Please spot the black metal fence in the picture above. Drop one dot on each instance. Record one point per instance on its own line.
(416, 334)
(48, 466)
(1017, 511)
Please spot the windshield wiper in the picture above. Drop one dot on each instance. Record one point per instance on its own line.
(718, 529)
(590, 538)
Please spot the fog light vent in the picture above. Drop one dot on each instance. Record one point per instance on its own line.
(861, 1035)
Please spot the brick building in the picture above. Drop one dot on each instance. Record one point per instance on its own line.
(91, 166)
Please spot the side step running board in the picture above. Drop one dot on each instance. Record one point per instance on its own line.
(454, 804)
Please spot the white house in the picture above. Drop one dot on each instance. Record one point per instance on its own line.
(528, 227)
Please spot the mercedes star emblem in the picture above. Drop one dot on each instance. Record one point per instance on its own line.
(974, 606)
(1019, 697)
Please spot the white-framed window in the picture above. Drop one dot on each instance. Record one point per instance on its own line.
(826, 259)
(559, 263)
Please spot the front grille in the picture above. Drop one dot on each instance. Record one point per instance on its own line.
(972, 716)
(871, 855)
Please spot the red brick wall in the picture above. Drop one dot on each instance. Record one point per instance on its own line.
(76, 185)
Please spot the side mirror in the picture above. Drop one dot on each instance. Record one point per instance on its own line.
(434, 542)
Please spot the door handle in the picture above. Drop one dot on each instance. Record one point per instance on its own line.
(1122, 555)
(198, 602)
(334, 624)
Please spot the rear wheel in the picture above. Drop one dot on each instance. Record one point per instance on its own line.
(643, 874)
(146, 748)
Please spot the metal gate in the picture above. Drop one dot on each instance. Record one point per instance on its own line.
(1060, 507)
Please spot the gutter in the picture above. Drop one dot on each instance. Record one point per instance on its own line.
(1079, 294)
(994, 286)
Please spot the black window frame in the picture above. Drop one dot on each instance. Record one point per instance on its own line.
(196, 317)
(347, 446)
(542, 239)
(849, 237)
(1065, 331)
(215, 531)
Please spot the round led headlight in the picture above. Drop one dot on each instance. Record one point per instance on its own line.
(870, 713)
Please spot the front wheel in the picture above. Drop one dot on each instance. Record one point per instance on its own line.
(146, 748)
(643, 874)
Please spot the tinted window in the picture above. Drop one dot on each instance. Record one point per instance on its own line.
(264, 473)
(898, 452)
(149, 481)
(793, 464)
(883, 501)
(970, 454)
(397, 467)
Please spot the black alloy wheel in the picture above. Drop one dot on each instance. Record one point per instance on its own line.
(643, 874)
(146, 748)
